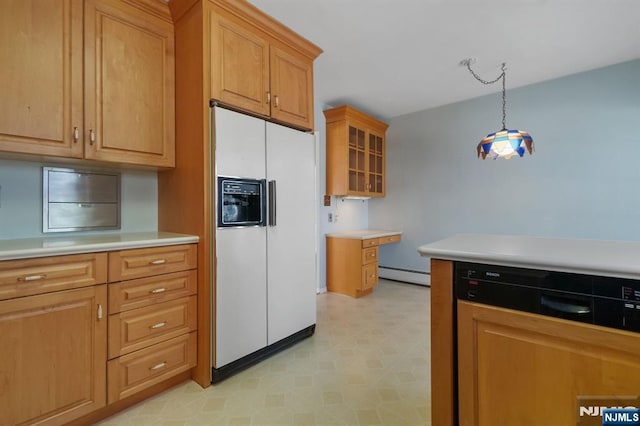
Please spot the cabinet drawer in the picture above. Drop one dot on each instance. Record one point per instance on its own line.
(44, 275)
(127, 295)
(371, 242)
(369, 275)
(138, 263)
(133, 330)
(132, 373)
(389, 239)
(369, 255)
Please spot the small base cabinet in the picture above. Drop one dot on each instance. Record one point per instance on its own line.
(516, 368)
(352, 264)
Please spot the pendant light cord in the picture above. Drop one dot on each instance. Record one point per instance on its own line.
(502, 76)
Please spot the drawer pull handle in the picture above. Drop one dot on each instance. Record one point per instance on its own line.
(158, 262)
(158, 366)
(32, 277)
(373, 255)
(158, 325)
(158, 290)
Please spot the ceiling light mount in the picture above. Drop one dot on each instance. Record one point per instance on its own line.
(504, 143)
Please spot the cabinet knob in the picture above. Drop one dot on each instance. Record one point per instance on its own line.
(268, 97)
(92, 136)
(277, 102)
(76, 135)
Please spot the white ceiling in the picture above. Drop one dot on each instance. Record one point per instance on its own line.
(393, 57)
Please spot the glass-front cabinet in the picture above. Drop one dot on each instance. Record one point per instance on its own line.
(355, 153)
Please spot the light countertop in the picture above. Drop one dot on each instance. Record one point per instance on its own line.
(363, 234)
(53, 246)
(594, 257)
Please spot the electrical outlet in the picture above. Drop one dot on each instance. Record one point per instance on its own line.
(330, 217)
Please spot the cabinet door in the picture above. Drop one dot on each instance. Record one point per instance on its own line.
(41, 76)
(516, 368)
(357, 158)
(369, 276)
(239, 65)
(375, 165)
(291, 88)
(53, 356)
(129, 85)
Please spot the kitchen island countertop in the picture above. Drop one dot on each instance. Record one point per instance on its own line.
(363, 234)
(595, 257)
(61, 245)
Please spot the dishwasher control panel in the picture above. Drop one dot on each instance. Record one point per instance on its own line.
(606, 301)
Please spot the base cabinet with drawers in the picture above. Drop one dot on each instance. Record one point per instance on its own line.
(81, 332)
(352, 263)
(152, 317)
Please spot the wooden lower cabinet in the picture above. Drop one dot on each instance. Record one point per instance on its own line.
(516, 368)
(152, 317)
(53, 356)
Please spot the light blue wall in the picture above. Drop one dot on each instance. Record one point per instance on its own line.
(21, 200)
(582, 181)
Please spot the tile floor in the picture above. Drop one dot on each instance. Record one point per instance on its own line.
(367, 364)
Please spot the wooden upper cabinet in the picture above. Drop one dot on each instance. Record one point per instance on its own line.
(355, 153)
(41, 76)
(291, 88)
(260, 66)
(129, 85)
(241, 59)
(121, 111)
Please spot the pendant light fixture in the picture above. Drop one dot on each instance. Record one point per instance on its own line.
(504, 143)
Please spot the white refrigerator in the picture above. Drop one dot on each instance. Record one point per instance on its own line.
(265, 286)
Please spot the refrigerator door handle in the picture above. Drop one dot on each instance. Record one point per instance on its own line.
(272, 203)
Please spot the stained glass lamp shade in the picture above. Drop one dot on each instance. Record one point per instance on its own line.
(505, 144)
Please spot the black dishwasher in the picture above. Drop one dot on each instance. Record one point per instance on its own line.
(605, 301)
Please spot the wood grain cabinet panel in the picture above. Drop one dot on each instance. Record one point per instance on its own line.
(88, 79)
(139, 370)
(27, 277)
(526, 369)
(53, 356)
(41, 76)
(138, 263)
(240, 55)
(129, 85)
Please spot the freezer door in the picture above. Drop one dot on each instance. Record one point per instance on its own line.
(291, 262)
(239, 142)
(241, 293)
